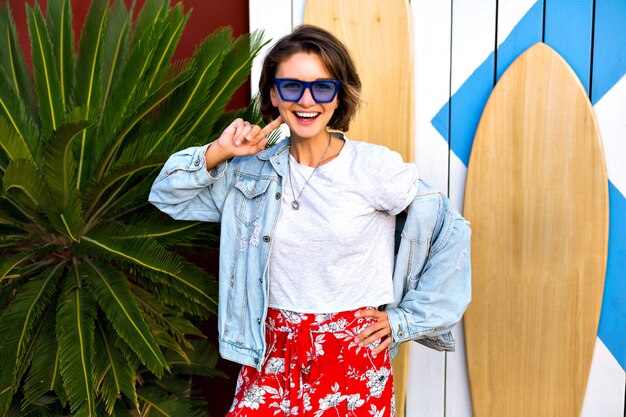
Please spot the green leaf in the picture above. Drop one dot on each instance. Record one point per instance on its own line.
(111, 289)
(23, 179)
(157, 403)
(115, 46)
(113, 374)
(165, 317)
(150, 104)
(16, 325)
(60, 178)
(43, 375)
(179, 113)
(126, 95)
(147, 253)
(47, 82)
(176, 21)
(8, 263)
(12, 60)
(202, 357)
(14, 115)
(12, 143)
(75, 333)
(88, 87)
(59, 21)
(237, 65)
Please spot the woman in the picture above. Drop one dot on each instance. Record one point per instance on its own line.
(307, 244)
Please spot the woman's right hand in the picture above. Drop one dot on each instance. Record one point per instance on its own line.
(239, 139)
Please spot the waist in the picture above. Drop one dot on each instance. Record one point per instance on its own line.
(280, 320)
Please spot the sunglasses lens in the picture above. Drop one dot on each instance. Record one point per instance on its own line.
(323, 91)
(290, 90)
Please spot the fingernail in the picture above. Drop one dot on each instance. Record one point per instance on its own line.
(356, 340)
(357, 314)
(373, 355)
(248, 137)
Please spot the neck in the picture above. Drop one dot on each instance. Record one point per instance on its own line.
(308, 151)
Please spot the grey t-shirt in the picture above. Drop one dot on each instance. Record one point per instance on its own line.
(336, 252)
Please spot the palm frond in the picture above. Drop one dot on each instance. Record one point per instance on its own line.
(202, 356)
(126, 95)
(237, 64)
(47, 82)
(43, 375)
(12, 60)
(179, 113)
(159, 403)
(151, 12)
(88, 87)
(148, 106)
(23, 179)
(14, 114)
(176, 21)
(13, 144)
(147, 253)
(7, 263)
(112, 372)
(16, 325)
(60, 177)
(164, 316)
(168, 294)
(75, 332)
(111, 290)
(115, 46)
(59, 22)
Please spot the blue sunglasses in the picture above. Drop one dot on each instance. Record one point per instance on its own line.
(322, 91)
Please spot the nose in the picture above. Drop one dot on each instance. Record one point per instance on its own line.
(307, 98)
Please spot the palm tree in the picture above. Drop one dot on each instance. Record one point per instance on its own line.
(96, 301)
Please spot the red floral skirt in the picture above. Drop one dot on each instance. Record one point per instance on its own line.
(314, 368)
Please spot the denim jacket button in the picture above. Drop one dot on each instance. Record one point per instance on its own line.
(400, 333)
(277, 196)
(258, 321)
(197, 162)
(266, 239)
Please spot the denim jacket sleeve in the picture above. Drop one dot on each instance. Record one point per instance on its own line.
(186, 190)
(432, 278)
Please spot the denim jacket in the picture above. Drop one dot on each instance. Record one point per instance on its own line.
(431, 278)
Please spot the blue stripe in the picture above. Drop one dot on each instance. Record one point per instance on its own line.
(612, 329)
(467, 107)
(609, 51)
(525, 34)
(568, 30)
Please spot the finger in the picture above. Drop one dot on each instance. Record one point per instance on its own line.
(242, 133)
(384, 344)
(271, 126)
(369, 313)
(253, 135)
(371, 333)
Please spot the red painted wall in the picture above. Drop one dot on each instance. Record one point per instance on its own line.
(206, 16)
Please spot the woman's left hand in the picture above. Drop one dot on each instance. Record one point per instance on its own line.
(379, 331)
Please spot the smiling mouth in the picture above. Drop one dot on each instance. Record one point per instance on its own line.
(306, 115)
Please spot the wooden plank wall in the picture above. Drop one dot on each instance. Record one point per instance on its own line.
(462, 47)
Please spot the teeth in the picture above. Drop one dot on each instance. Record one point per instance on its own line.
(306, 115)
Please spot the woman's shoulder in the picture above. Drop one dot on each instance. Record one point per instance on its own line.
(373, 153)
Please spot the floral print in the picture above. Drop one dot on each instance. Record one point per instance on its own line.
(313, 368)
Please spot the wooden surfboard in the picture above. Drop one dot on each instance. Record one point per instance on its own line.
(378, 34)
(537, 199)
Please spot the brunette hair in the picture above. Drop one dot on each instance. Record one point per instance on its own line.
(336, 58)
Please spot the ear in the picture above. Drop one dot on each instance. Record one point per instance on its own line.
(274, 96)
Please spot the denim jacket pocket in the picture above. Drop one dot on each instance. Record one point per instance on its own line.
(251, 199)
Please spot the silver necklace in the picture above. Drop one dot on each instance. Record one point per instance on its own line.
(295, 203)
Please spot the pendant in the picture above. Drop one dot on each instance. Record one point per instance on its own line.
(295, 204)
